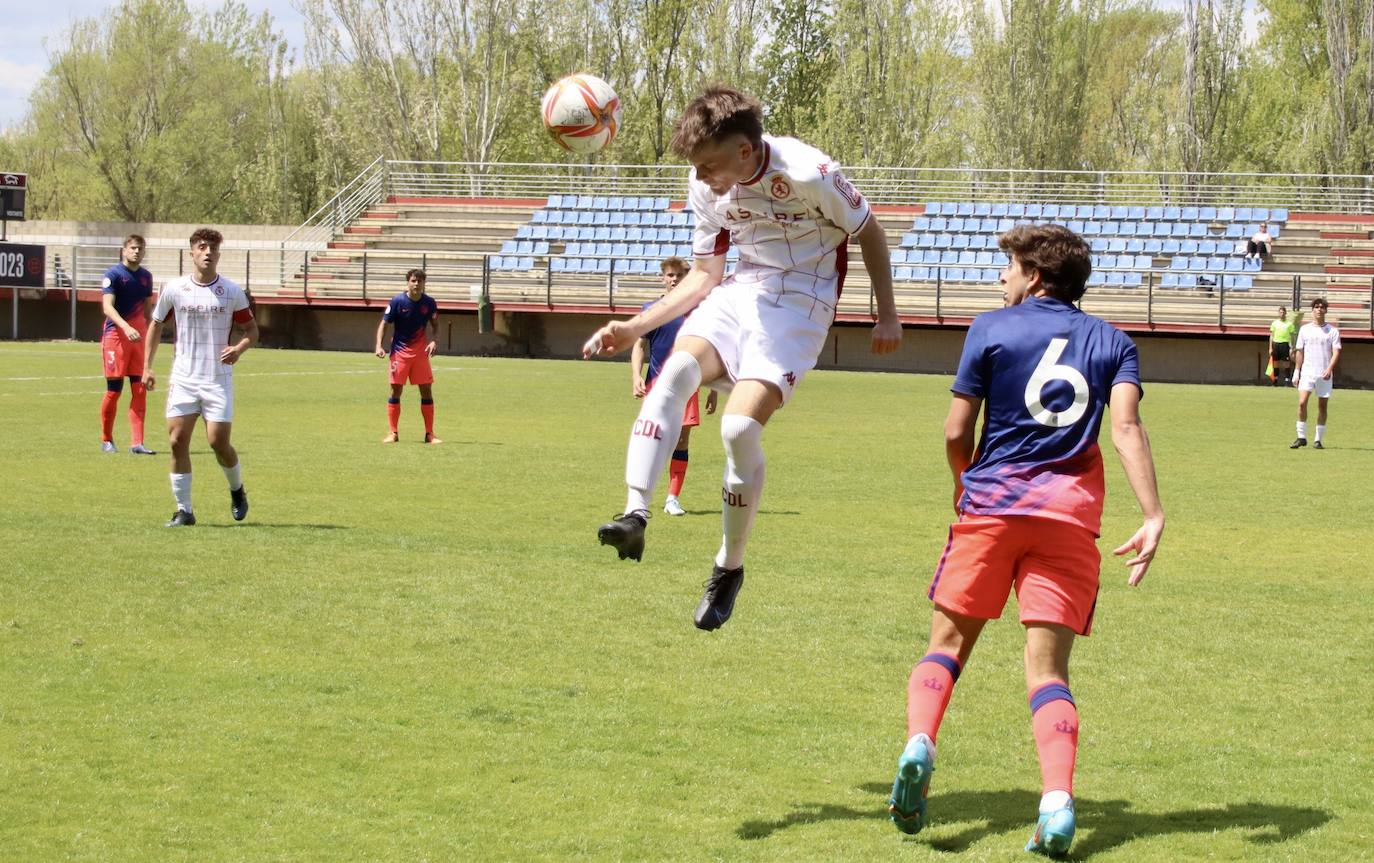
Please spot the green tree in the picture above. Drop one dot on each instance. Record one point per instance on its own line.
(799, 63)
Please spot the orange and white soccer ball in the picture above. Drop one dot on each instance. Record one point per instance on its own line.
(582, 113)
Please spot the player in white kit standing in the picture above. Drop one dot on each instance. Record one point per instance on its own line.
(1315, 357)
(790, 212)
(206, 307)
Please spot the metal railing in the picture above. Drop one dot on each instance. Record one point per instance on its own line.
(1350, 193)
(320, 228)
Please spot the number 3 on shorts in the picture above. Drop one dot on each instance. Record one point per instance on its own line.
(1050, 370)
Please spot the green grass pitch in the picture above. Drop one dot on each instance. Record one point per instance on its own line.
(420, 653)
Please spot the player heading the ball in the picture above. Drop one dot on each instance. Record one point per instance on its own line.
(1029, 500)
(206, 306)
(790, 212)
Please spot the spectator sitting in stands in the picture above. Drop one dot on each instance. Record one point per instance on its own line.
(1258, 245)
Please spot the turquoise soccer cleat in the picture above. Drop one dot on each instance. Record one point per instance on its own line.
(1053, 832)
(907, 808)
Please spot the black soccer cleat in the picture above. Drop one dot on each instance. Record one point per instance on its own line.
(1300, 442)
(238, 503)
(719, 600)
(181, 518)
(626, 533)
(1317, 445)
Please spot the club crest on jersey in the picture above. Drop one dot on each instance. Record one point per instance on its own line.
(780, 188)
(850, 193)
(219, 290)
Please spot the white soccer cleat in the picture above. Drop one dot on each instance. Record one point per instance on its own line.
(673, 506)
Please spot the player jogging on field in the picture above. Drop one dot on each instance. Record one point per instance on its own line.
(1318, 351)
(124, 295)
(1029, 500)
(409, 311)
(658, 343)
(790, 211)
(206, 307)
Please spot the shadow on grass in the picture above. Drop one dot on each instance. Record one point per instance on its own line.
(1104, 824)
(267, 525)
(769, 512)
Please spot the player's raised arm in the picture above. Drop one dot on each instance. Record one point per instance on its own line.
(1133, 446)
(887, 334)
(616, 336)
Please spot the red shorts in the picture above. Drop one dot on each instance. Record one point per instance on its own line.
(1052, 564)
(120, 357)
(411, 367)
(691, 415)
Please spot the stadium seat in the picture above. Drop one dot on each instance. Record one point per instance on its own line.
(1169, 280)
(1242, 283)
(920, 223)
(1153, 247)
(1216, 265)
(1116, 279)
(1098, 244)
(939, 224)
(954, 274)
(1278, 215)
(558, 265)
(1135, 214)
(1252, 265)
(1169, 247)
(1143, 262)
(539, 217)
(508, 247)
(1231, 265)
(964, 209)
(1197, 230)
(983, 259)
(968, 258)
(661, 203)
(932, 208)
(909, 241)
(1188, 247)
(1235, 231)
(1133, 279)
(982, 210)
(1154, 214)
(930, 256)
(1000, 211)
(1135, 245)
(1096, 278)
(949, 258)
(1116, 245)
(1004, 225)
(944, 241)
(524, 247)
(1244, 214)
(1016, 211)
(602, 234)
(897, 256)
(1207, 214)
(1226, 214)
(902, 273)
(1178, 263)
(960, 241)
(1189, 214)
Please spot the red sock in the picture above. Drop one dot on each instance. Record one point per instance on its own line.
(1054, 719)
(107, 415)
(928, 692)
(393, 413)
(138, 409)
(677, 472)
(427, 411)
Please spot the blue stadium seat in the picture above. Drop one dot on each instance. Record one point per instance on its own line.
(541, 249)
(1135, 214)
(1098, 244)
(1111, 229)
(603, 250)
(1226, 214)
(524, 264)
(1101, 212)
(1188, 247)
(1004, 225)
(1207, 214)
(1116, 245)
(539, 217)
(901, 273)
(1252, 265)
(1016, 211)
(558, 265)
(555, 202)
(508, 247)
(1154, 214)
(1172, 214)
(1187, 280)
(1232, 265)
(1170, 280)
(634, 235)
(1048, 211)
(524, 247)
(1169, 247)
(637, 267)
(1154, 247)
(1241, 283)
(1124, 229)
(920, 273)
(1278, 215)
(1000, 211)
(1216, 265)
(524, 232)
(1133, 279)
(620, 250)
(897, 256)
(1244, 214)
(982, 210)
(930, 256)
(1116, 279)
(909, 241)
(1034, 211)
(968, 258)
(964, 209)
(960, 241)
(539, 232)
(1104, 262)
(954, 274)
(661, 203)
(920, 223)
(1178, 263)
(1197, 230)
(681, 220)
(1189, 214)
(1143, 262)
(1135, 245)
(1096, 278)
(1235, 231)
(939, 223)
(1274, 231)
(983, 259)
(944, 241)
(1092, 229)
(600, 203)
(949, 257)
(932, 208)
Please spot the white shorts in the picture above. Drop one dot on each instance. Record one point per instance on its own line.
(213, 400)
(1315, 385)
(761, 334)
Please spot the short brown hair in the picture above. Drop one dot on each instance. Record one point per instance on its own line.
(717, 113)
(134, 238)
(207, 235)
(1320, 301)
(417, 272)
(1063, 259)
(673, 262)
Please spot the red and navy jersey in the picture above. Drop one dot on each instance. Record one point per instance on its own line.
(409, 319)
(661, 340)
(1045, 371)
(131, 290)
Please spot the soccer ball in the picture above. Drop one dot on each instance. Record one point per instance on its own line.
(582, 113)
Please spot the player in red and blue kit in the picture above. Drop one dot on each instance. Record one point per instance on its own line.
(659, 342)
(410, 351)
(124, 294)
(1029, 501)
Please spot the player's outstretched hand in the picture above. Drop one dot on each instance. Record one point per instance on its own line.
(1143, 543)
(610, 340)
(887, 337)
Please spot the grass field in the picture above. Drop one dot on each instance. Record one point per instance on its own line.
(420, 653)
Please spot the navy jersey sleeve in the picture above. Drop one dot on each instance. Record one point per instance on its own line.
(972, 377)
(112, 278)
(1128, 364)
(390, 314)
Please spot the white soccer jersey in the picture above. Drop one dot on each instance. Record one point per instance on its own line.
(1318, 345)
(791, 221)
(205, 314)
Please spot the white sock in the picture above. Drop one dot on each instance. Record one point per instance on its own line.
(234, 475)
(181, 490)
(1053, 801)
(655, 432)
(1302, 429)
(743, 489)
(1321, 430)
